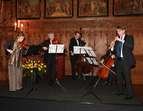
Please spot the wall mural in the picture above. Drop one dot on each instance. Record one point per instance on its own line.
(58, 8)
(28, 9)
(92, 8)
(127, 7)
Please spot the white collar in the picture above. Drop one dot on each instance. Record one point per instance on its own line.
(123, 37)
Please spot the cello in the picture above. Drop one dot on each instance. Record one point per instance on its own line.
(103, 72)
(82, 66)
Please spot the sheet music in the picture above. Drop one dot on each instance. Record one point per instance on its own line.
(92, 61)
(90, 51)
(79, 50)
(56, 48)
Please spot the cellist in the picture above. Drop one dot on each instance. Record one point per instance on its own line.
(109, 80)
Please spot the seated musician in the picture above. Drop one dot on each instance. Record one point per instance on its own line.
(109, 80)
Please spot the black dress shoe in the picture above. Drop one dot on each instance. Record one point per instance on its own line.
(109, 84)
(104, 83)
(50, 84)
(73, 78)
(118, 94)
(20, 89)
(128, 98)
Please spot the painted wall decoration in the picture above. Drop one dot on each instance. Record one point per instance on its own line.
(58, 8)
(92, 8)
(28, 9)
(127, 7)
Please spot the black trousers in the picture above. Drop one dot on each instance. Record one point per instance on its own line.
(124, 71)
(52, 67)
(73, 60)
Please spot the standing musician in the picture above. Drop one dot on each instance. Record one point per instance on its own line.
(109, 80)
(75, 41)
(50, 59)
(124, 59)
(15, 52)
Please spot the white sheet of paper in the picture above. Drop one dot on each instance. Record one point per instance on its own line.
(90, 52)
(56, 48)
(92, 61)
(79, 50)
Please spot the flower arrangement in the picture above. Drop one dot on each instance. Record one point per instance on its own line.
(34, 64)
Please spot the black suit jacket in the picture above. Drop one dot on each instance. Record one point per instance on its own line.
(127, 50)
(8, 45)
(74, 43)
(47, 56)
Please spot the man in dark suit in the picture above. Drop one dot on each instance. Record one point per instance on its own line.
(124, 59)
(75, 41)
(50, 59)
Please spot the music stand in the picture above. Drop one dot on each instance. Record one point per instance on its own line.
(91, 60)
(33, 50)
(57, 49)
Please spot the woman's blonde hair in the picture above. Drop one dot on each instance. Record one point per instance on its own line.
(20, 34)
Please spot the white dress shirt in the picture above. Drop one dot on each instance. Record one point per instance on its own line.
(77, 42)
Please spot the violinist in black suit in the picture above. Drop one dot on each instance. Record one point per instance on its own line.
(50, 59)
(124, 59)
(75, 41)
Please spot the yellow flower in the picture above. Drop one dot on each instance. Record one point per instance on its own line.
(44, 70)
(39, 69)
(35, 64)
(44, 66)
(31, 71)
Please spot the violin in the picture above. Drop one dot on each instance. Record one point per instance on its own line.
(23, 45)
(56, 41)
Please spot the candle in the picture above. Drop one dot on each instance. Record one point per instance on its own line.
(21, 27)
(15, 27)
(18, 23)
